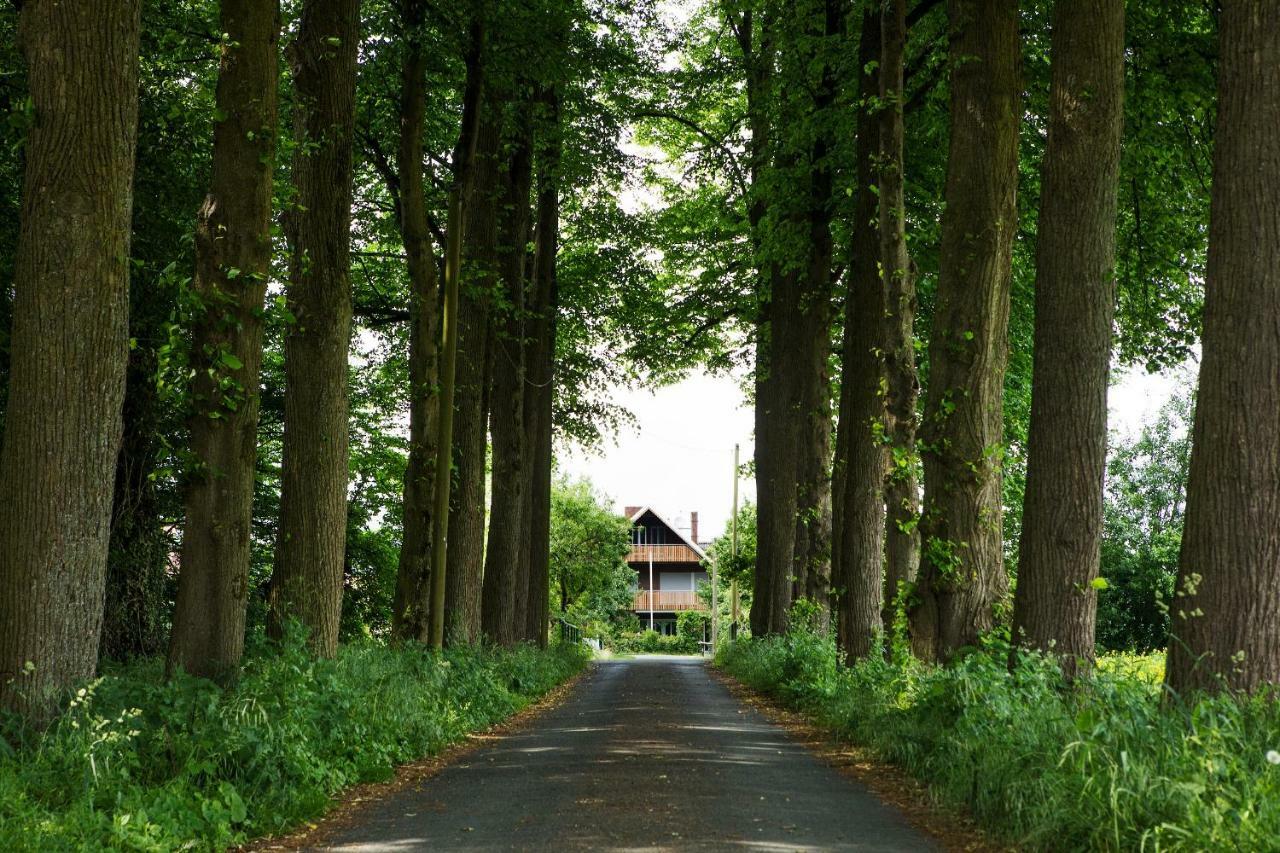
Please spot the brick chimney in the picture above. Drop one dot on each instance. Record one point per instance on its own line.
(693, 527)
(631, 510)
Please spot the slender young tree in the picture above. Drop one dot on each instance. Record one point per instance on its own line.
(311, 551)
(233, 258)
(69, 345)
(465, 560)
(1055, 607)
(901, 489)
(1225, 617)
(540, 345)
(860, 463)
(962, 567)
(410, 615)
(505, 570)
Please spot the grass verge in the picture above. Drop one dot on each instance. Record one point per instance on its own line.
(139, 763)
(1105, 765)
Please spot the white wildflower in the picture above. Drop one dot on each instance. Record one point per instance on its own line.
(1273, 756)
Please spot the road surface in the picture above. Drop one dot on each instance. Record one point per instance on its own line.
(647, 754)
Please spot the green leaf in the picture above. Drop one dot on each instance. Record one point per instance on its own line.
(230, 360)
(1099, 583)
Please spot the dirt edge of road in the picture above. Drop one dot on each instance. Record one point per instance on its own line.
(952, 829)
(348, 805)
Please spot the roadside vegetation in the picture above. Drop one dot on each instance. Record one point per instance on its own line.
(1109, 763)
(137, 762)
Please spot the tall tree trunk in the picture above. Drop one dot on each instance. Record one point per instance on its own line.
(233, 258)
(410, 614)
(901, 489)
(1055, 606)
(962, 570)
(812, 561)
(465, 561)
(860, 468)
(540, 363)
(69, 345)
(506, 577)
(311, 551)
(1225, 619)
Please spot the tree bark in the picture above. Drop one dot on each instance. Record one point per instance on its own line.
(465, 559)
(1225, 618)
(860, 468)
(540, 363)
(1055, 607)
(902, 388)
(69, 345)
(311, 551)
(962, 571)
(410, 615)
(233, 258)
(506, 576)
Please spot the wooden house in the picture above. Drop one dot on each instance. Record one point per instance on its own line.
(668, 565)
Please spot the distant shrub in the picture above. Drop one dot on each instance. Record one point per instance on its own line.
(1103, 765)
(651, 642)
(141, 763)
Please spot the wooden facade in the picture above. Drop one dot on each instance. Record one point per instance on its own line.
(669, 568)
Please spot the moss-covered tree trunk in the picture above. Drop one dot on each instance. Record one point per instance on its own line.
(962, 567)
(233, 258)
(410, 614)
(1225, 618)
(311, 551)
(69, 345)
(859, 467)
(1056, 605)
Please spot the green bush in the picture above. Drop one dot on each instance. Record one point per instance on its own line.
(141, 763)
(1105, 765)
(651, 642)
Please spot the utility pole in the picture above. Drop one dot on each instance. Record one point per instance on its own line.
(733, 526)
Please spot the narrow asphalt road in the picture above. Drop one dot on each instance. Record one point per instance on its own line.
(646, 754)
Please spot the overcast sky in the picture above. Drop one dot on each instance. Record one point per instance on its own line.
(679, 455)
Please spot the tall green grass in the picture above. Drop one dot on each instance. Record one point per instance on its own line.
(1104, 765)
(139, 763)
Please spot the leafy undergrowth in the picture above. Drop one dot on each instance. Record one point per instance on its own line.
(142, 764)
(1104, 766)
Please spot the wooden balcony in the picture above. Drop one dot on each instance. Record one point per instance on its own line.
(662, 554)
(663, 600)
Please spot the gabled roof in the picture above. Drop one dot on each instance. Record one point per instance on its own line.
(697, 549)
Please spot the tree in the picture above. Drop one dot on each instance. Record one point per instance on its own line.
(1055, 608)
(411, 609)
(858, 473)
(962, 568)
(310, 553)
(506, 582)
(69, 345)
(233, 257)
(590, 577)
(1225, 618)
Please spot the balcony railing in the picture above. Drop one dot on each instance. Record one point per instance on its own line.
(665, 600)
(662, 554)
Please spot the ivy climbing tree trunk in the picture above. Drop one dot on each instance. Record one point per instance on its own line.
(859, 468)
(505, 570)
(311, 552)
(540, 351)
(1055, 607)
(902, 387)
(962, 570)
(410, 614)
(465, 559)
(69, 345)
(1225, 618)
(233, 258)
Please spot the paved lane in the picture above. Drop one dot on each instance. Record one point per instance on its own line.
(647, 754)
